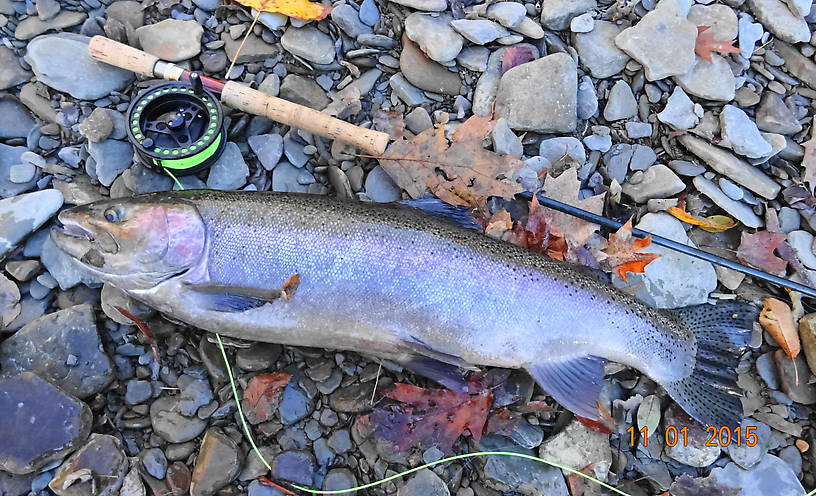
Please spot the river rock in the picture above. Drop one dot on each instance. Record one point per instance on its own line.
(15, 120)
(112, 158)
(309, 43)
(732, 167)
(597, 51)
(672, 280)
(693, 449)
(61, 61)
(426, 5)
(51, 343)
(473, 58)
(742, 133)
(219, 463)
(424, 483)
(742, 211)
(710, 80)
(346, 18)
(254, 50)
(554, 80)
(171, 39)
(33, 25)
(657, 182)
(770, 476)
(557, 14)
(268, 148)
(424, 73)
(229, 171)
(578, 446)
(679, 111)
(789, 371)
(779, 20)
(127, 12)
(46, 423)
(11, 73)
(479, 31)
(774, 116)
(103, 457)
(303, 91)
(24, 214)
(674, 54)
(169, 423)
(508, 14)
(720, 19)
(620, 103)
(434, 36)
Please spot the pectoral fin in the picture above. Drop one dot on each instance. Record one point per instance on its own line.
(229, 298)
(575, 383)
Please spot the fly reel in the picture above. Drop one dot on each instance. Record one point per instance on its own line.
(177, 128)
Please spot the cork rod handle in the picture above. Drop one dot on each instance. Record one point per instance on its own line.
(121, 55)
(252, 101)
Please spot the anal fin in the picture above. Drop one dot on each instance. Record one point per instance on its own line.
(575, 383)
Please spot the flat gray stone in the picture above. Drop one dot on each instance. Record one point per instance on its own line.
(555, 82)
(620, 103)
(309, 43)
(112, 158)
(424, 73)
(303, 91)
(528, 477)
(426, 5)
(597, 51)
(46, 423)
(720, 19)
(24, 214)
(657, 181)
(774, 116)
(170, 424)
(32, 26)
(479, 31)
(380, 187)
(742, 211)
(679, 111)
(61, 61)
(47, 345)
(742, 133)
(172, 40)
(672, 280)
(434, 36)
(674, 54)
(779, 20)
(15, 120)
(770, 476)
(473, 58)
(424, 483)
(11, 72)
(230, 171)
(346, 18)
(710, 80)
(578, 446)
(557, 14)
(508, 14)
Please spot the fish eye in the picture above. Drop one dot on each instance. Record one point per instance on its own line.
(113, 214)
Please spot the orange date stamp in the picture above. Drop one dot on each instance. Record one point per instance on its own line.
(719, 437)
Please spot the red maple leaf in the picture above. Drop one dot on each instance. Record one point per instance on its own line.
(428, 417)
(262, 396)
(706, 44)
(757, 250)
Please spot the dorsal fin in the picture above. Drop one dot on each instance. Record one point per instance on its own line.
(459, 216)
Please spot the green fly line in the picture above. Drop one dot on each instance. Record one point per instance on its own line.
(260, 456)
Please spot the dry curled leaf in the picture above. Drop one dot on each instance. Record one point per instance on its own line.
(622, 252)
(777, 319)
(706, 44)
(499, 224)
(757, 250)
(428, 160)
(565, 188)
(262, 396)
(301, 9)
(713, 223)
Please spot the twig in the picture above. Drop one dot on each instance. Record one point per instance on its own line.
(241, 46)
(376, 381)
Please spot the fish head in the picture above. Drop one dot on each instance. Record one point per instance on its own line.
(132, 243)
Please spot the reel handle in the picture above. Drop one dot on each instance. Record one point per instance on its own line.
(120, 55)
(254, 102)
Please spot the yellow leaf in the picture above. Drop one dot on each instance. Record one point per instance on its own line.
(777, 319)
(714, 223)
(301, 9)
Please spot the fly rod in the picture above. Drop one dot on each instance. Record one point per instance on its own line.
(674, 245)
(240, 97)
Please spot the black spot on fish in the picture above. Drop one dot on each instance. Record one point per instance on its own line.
(93, 257)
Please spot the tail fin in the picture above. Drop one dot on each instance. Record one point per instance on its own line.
(710, 394)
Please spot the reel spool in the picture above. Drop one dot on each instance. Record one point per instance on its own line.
(177, 127)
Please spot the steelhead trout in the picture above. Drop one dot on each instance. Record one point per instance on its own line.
(416, 284)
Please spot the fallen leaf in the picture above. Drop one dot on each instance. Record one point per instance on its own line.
(809, 159)
(499, 224)
(757, 250)
(429, 417)
(713, 223)
(262, 396)
(391, 123)
(540, 236)
(648, 414)
(565, 188)
(706, 44)
(428, 160)
(514, 56)
(535, 407)
(622, 252)
(777, 319)
(301, 9)
(502, 422)
(145, 330)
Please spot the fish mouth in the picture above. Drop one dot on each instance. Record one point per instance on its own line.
(75, 237)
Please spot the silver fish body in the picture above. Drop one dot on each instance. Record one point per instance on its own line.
(395, 282)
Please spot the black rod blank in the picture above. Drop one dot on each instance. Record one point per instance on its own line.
(674, 245)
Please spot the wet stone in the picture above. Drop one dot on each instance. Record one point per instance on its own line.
(355, 398)
(45, 345)
(339, 478)
(47, 423)
(219, 462)
(294, 405)
(340, 441)
(24, 214)
(309, 43)
(295, 466)
(138, 392)
(257, 357)
(424, 483)
(154, 461)
(170, 424)
(178, 478)
(104, 458)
